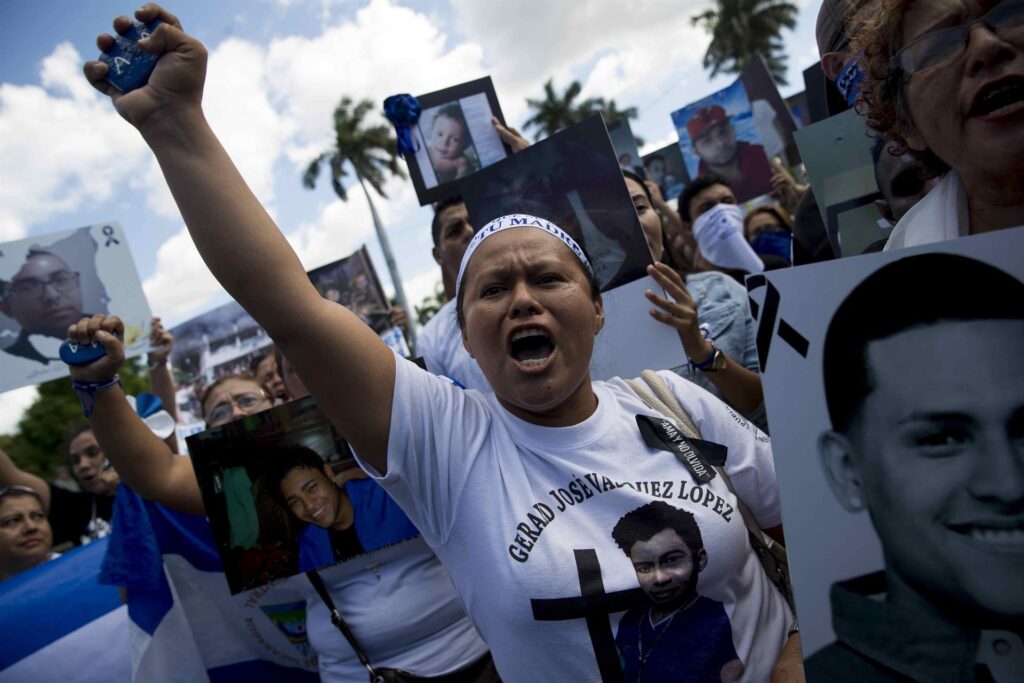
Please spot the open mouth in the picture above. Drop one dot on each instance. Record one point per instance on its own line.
(531, 347)
(318, 513)
(999, 98)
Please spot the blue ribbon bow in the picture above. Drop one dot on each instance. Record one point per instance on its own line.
(403, 111)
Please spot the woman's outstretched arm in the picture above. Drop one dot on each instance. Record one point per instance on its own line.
(345, 365)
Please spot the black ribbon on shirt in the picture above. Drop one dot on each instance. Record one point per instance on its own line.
(696, 455)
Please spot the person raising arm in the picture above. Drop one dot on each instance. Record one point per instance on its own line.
(242, 245)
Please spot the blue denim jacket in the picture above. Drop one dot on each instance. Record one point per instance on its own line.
(725, 321)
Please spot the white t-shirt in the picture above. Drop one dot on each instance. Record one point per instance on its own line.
(521, 516)
(440, 344)
(390, 597)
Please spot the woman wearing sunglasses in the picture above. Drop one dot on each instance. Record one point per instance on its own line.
(945, 81)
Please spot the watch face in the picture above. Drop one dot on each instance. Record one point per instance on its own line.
(719, 362)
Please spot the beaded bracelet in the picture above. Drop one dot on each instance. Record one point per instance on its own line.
(86, 389)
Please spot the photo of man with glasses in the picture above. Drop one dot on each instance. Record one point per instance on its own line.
(43, 297)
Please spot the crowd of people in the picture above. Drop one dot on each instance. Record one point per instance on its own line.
(487, 499)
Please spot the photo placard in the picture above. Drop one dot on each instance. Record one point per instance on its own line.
(49, 282)
(454, 138)
(277, 486)
(719, 134)
(837, 155)
(666, 168)
(882, 375)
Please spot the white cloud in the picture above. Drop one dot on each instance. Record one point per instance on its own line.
(385, 49)
(12, 405)
(61, 146)
(181, 284)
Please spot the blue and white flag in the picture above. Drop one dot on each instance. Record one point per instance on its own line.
(57, 623)
(183, 622)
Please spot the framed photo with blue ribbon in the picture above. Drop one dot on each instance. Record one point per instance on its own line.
(454, 138)
(48, 282)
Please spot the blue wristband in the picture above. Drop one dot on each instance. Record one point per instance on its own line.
(87, 392)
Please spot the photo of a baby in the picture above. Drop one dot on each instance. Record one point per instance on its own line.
(449, 144)
(454, 138)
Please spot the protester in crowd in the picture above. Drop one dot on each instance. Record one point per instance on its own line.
(440, 342)
(443, 644)
(480, 475)
(74, 517)
(770, 233)
(25, 536)
(923, 376)
(708, 205)
(718, 335)
(838, 21)
(742, 164)
(265, 369)
(946, 84)
(43, 297)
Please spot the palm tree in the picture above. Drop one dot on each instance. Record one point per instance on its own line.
(555, 112)
(370, 152)
(743, 29)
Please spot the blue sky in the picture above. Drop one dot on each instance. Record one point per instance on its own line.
(277, 69)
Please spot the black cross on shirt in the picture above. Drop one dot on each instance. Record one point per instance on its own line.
(594, 605)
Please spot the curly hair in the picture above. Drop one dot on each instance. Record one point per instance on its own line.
(883, 98)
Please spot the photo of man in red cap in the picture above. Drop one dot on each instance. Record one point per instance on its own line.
(743, 164)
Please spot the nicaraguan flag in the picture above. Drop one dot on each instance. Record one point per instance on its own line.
(57, 623)
(184, 624)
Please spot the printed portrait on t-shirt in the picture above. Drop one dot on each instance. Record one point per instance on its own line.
(678, 634)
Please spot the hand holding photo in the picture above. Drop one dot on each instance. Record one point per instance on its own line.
(454, 137)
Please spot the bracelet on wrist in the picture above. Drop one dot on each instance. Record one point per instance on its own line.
(154, 364)
(87, 391)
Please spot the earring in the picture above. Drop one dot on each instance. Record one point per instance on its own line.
(856, 503)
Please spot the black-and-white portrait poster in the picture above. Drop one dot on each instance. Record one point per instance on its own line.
(48, 282)
(894, 385)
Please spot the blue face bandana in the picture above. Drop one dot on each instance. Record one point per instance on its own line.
(850, 79)
(774, 243)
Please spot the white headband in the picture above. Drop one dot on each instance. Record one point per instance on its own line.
(518, 220)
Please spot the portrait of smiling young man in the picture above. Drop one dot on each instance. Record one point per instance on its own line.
(924, 382)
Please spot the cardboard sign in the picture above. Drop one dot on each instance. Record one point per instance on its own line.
(49, 282)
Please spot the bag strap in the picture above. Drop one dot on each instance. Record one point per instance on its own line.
(656, 393)
(340, 623)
